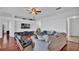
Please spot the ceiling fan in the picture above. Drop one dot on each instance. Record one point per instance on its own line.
(34, 11)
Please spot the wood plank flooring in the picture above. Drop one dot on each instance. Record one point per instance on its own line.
(71, 46)
(8, 44)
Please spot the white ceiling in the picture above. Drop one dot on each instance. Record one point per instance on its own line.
(22, 11)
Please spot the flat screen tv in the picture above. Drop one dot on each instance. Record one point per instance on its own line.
(25, 26)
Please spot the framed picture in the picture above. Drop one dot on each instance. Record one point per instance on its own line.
(25, 26)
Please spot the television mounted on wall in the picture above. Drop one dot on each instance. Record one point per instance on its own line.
(25, 26)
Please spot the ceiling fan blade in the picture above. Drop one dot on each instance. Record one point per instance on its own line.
(58, 8)
(39, 11)
(31, 19)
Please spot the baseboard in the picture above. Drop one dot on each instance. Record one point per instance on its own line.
(74, 35)
(74, 39)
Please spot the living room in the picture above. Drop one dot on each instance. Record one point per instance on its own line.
(43, 28)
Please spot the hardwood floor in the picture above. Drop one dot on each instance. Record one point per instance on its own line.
(71, 46)
(10, 45)
(74, 39)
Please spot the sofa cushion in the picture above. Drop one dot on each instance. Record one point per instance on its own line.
(56, 42)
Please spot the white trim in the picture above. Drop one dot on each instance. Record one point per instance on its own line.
(0, 36)
(68, 24)
(68, 28)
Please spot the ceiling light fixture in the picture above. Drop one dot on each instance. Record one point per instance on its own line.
(34, 11)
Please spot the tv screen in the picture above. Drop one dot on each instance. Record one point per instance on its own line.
(25, 26)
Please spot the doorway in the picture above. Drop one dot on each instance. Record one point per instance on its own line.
(73, 28)
(5, 28)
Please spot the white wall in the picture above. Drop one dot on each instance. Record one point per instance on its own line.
(54, 24)
(3, 20)
(18, 25)
(12, 28)
(57, 22)
(6, 25)
(0, 29)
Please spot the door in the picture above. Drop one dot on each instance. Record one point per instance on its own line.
(74, 27)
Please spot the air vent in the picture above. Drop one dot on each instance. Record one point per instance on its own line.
(58, 8)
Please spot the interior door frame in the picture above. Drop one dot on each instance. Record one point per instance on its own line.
(68, 24)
